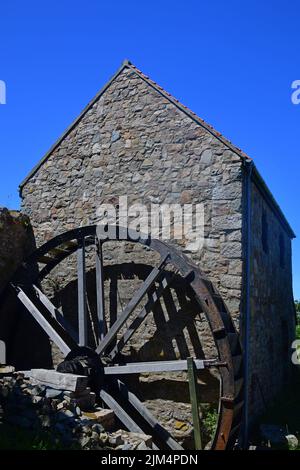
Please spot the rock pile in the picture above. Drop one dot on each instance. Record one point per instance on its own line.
(72, 417)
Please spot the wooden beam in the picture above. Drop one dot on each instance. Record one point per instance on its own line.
(192, 375)
(82, 316)
(136, 299)
(60, 380)
(47, 327)
(156, 366)
(161, 432)
(45, 259)
(119, 412)
(56, 313)
(2, 352)
(57, 252)
(100, 291)
(154, 298)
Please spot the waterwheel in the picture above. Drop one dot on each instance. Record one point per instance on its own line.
(106, 338)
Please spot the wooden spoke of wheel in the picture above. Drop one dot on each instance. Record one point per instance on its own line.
(228, 349)
(134, 302)
(56, 313)
(100, 291)
(153, 299)
(50, 325)
(81, 282)
(157, 429)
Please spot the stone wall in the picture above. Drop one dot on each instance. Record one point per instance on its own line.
(15, 243)
(134, 142)
(272, 309)
(17, 328)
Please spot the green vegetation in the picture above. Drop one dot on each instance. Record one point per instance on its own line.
(297, 306)
(298, 331)
(209, 421)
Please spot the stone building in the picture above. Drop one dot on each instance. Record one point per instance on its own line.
(135, 139)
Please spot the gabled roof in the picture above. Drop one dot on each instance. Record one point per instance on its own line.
(128, 65)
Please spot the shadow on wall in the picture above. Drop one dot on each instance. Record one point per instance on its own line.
(26, 344)
(175, 329)
(169, 331)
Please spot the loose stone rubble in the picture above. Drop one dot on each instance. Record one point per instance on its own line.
(73, 417)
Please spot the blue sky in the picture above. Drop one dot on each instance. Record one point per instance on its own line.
(232, 62)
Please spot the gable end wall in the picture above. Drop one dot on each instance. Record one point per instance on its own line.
(135, 142)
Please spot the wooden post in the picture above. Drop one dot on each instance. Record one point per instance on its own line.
(100, 291)
(82, 317)
(2, 352)
(192, 376)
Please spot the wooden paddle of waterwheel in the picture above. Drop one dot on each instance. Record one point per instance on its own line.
(112, 337)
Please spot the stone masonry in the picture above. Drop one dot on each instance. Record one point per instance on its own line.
(16, 243)
(272, 309)
(134, 139)
(134, 142)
